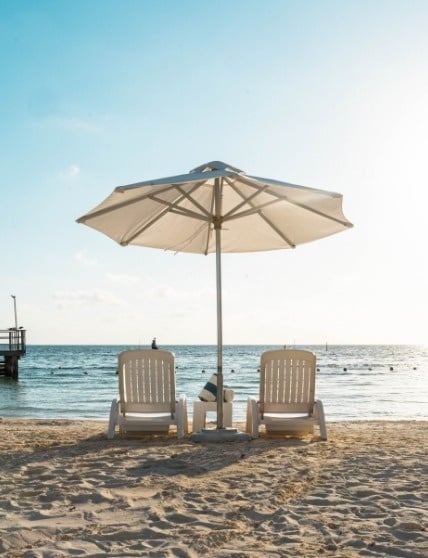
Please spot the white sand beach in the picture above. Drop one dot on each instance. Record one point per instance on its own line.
(68, 491)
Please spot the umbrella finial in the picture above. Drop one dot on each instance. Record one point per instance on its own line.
(216, 165)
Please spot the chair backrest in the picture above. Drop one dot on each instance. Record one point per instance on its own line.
(287, 381)
(147, 381)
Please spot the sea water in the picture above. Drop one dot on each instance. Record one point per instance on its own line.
(355, 382)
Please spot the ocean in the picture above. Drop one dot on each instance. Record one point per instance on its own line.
(355, 382)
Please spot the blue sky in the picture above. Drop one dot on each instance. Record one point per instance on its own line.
(328, 94)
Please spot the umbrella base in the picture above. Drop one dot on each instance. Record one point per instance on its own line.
(220, 435)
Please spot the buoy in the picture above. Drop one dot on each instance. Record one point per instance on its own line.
(345, 369)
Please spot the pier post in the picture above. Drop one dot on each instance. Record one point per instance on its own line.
(11, 367)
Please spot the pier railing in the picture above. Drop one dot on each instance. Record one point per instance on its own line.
(12, 341)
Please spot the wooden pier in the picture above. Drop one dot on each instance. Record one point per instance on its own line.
(12, 348)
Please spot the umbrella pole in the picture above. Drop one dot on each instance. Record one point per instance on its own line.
(220, 396)
(217, 227)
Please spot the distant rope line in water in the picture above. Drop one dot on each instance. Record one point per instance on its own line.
(203, 371)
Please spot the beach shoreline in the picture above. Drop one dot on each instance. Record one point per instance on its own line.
(67, 490)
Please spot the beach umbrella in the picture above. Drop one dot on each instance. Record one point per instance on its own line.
(217, 208)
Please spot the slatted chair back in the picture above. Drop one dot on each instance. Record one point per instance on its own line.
(147, 381)
(287, 381)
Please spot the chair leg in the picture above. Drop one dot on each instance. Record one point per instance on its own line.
(248, 421)
(185, 418)
(320, 417)
(252, 426)
(114, 413)
(181, 417)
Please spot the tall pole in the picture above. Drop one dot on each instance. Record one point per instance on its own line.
(217, 227)
(14, 307)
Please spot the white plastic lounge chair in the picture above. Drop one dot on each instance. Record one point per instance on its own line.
(147, 401)
(287, 395)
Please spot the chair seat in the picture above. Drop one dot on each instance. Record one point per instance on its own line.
(285, 416)
(156, 417)
(278, 422)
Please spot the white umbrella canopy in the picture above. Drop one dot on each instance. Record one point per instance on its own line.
(179, 213)
(217, 208)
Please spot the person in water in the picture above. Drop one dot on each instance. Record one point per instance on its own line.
(154, 345)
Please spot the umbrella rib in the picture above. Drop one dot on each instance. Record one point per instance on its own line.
(280, 197)
(193, 201)
(278, 232)
(130, 201)
(145, 227)
(119, 205)
(174, 207)
(246, 213)
(168, 207)
(244, 200)
(321, 214)
(229, 216)
(188, 213)
(258, 210)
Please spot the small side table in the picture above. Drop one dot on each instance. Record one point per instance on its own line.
(201, 408)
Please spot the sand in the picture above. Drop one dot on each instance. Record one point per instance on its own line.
(66, 490)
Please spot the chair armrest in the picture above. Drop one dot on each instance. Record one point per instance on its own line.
(114, 413)
(182, 422)
(252, 423)
(320, 418)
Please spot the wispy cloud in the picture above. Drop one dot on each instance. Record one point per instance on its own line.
(166, 291)
(70, 172)
(79, 297)
(73, 170)
(82, 258)
(122, 278)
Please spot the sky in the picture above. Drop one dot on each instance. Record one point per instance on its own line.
(328, 94)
